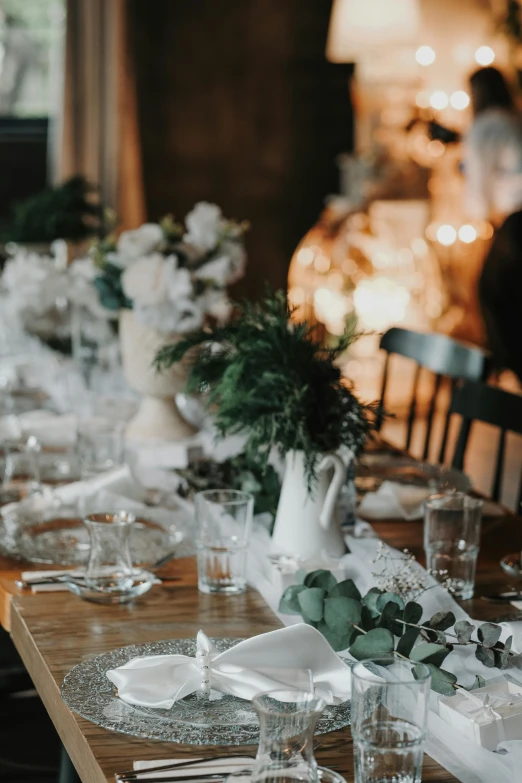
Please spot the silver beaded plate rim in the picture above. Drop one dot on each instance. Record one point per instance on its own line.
(222, 720)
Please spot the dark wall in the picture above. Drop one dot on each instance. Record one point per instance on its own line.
(239, 106)
(23, 160)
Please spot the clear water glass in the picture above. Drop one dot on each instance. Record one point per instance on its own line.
(100, 446)
(20, 470)
(452, 523)
(389, 715)
(287, 721)
(109, 568)
(224, 524)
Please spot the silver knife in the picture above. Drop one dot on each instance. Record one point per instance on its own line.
(503, 597)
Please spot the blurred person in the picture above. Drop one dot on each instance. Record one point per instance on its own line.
(493, 171)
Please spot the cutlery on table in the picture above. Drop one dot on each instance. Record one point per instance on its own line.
(503, 597)
(79, 577)
(132, 773)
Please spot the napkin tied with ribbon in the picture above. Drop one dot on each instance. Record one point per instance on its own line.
(487, 707)
(296, 657)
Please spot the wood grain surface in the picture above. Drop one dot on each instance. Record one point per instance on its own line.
(55, 631)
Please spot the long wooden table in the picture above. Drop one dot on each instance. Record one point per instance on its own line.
(55, 631)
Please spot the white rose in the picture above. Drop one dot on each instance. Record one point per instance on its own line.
(179, 282)
(217, 270)
(170, 317)
(146, 281)
(216, 304)
(237, 257)
(140, 242)
(204, 225)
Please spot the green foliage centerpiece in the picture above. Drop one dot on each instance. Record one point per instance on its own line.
(382, 622)
(269, 377)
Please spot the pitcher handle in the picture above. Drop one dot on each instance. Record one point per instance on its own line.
(338, 479)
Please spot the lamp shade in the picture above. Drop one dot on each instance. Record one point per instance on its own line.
(359, 25)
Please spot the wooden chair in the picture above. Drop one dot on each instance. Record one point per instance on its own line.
(441, 355)
(491, 405)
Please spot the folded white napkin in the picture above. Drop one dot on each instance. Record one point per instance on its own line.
(218, 766)
(294, 657)
(405, 501)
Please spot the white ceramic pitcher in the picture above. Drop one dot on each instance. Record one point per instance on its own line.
(307, 525)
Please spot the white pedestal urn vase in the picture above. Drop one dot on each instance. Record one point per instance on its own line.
(307, 525)
(158, 417)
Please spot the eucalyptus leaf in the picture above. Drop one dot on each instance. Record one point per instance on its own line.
(485, 656)
(290, 600)
(300, 576)
(489, 634)
(368, 620)
(428, 652)
(320, 578)
(441, 621)
(341, 613)
(464, 631)
(442, 681)
(346, 589)
(479, 682)
(311, 602)
(412, 613)
(385, 598)
(337, 641)
(391, 613)
(373, 644)
(370, 600)
(407, 640)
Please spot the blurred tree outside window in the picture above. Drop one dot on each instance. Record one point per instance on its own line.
(31, 57)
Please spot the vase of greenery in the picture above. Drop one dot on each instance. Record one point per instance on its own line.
(268, 377)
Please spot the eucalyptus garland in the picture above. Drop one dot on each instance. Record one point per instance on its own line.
(380, 623)
(269, 377)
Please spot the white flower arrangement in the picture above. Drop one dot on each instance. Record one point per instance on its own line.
(173, 276)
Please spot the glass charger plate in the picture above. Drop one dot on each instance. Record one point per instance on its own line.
(65, 541)
(372, 469)
(222, 720)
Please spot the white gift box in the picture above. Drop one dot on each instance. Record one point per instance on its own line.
(488, 715)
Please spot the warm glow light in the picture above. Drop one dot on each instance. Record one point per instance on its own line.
(331, 309)
(431, 232)
(460, 100)
(305, 256)
(425, 55)
(380, 302)
(467, 234)
(485, 230)
(296, 296)
(422, 100)
(356, 25)
(485, 55)
(446, 235)
(419, 246)
(436, 148)
(439, 100)
(322, 263)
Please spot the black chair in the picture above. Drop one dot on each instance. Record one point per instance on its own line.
(491, 405)
(441, 355)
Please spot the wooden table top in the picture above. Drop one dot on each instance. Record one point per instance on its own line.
(55, 631)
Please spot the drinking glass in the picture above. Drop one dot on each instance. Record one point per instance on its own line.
(109, 568)
(99, 446)
(224, 524)
(287, 721)
(20, 470)
(452, 540)
(389, 714)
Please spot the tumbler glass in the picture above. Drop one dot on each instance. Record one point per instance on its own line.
(389, 715)
(109, 568)
(452, 540)
(100, 446)
(224, 523)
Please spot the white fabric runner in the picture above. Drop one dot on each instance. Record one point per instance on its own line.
(467, 761)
